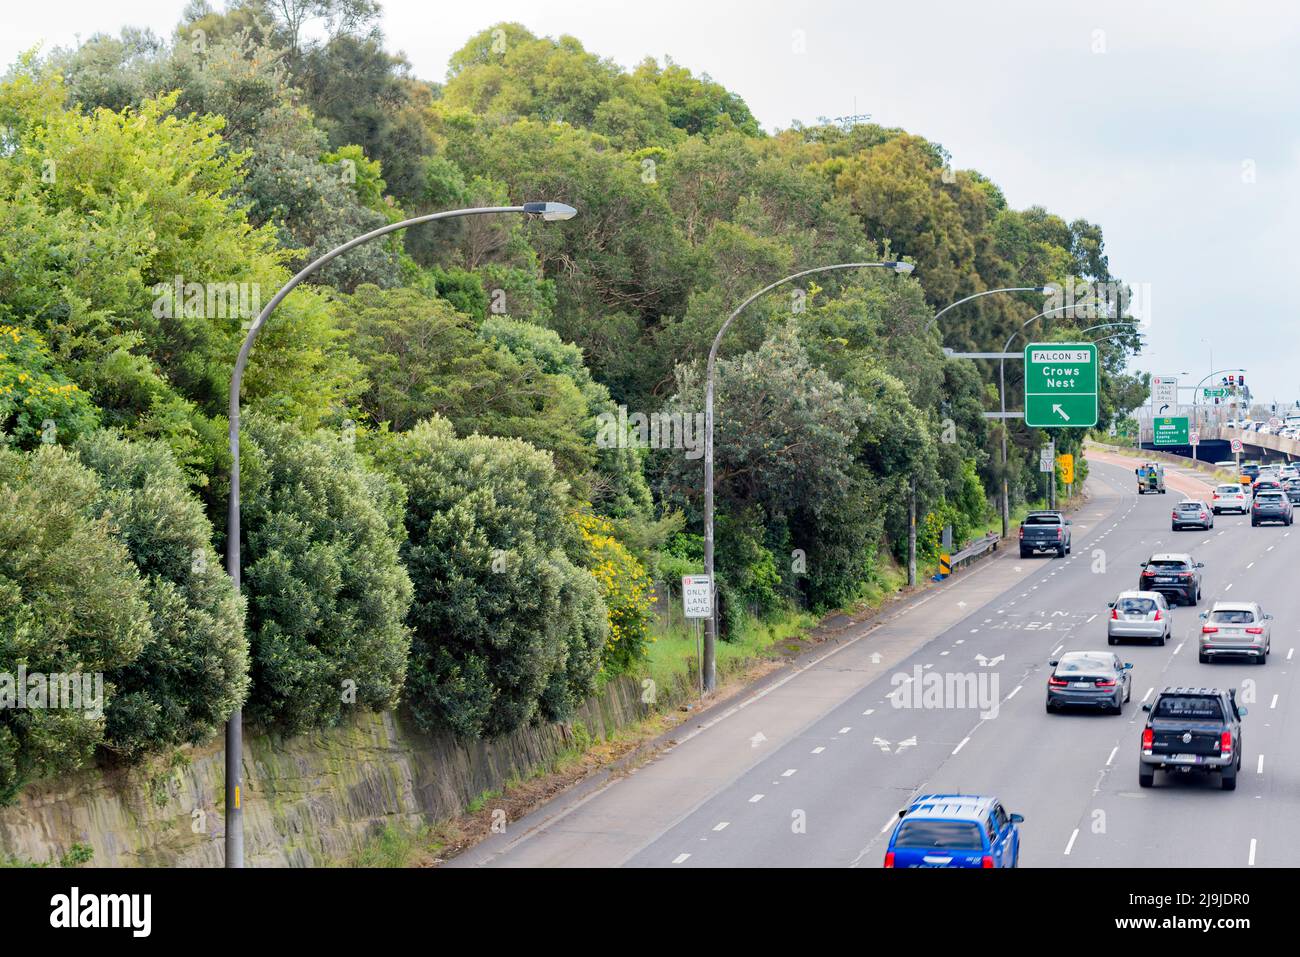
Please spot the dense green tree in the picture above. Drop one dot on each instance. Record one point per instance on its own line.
(193, 669)
(497, 615)
(71, 603)
(327, 593)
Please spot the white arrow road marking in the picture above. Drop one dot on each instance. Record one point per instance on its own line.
(757, 739)
(881, 743)
(905, 744)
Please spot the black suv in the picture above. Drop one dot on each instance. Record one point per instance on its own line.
(1271, 505)
(1292, 488)
(1174, 575)
(1192, 730)
(1045, 532)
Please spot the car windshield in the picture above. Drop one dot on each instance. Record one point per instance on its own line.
(1042, 520)
(1136, 606)
(1232, 616)
(1191, 506)
(1229, 490)
(1082, 664)
(939, 834)
(1267, 497)
(1198, 707)
(1168, 564)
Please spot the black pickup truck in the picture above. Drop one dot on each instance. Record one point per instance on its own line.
(1045, 532)
(1192, 730)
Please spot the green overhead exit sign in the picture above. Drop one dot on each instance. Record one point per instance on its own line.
(1061, 385)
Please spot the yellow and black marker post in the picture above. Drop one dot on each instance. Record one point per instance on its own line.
(945, 565)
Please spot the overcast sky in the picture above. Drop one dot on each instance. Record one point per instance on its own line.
(1173, 126)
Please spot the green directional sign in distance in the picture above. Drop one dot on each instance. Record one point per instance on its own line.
(1061, 380)
(1171, 430)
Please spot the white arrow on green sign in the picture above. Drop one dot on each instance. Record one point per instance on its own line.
(1061, 385)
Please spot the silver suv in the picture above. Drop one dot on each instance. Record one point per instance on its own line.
(1236, 628)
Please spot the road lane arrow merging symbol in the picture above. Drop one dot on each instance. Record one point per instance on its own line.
(988, 662)
(875, 657)
(757, 739)
(1056, 407)
(903, 745)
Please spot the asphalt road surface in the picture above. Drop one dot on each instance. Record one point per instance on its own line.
(812, 771)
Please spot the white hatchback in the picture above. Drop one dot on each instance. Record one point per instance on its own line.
(1230, 498)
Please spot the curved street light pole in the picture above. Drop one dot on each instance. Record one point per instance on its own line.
(708, 664)
(987, 292)
(1196, 401)
(235, 724)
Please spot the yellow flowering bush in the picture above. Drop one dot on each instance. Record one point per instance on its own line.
(626, 587)
(37, 403)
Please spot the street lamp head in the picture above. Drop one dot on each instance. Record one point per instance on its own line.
(550, 211)
(901, 268)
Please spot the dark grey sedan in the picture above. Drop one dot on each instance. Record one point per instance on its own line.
(1089, 679)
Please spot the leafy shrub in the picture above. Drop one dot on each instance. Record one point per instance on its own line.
(71, 601)
(193, 670)
(327, 594)
(33, 392)
(499, 610)
(627, 590)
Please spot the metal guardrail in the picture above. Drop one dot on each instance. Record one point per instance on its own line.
(977, 548)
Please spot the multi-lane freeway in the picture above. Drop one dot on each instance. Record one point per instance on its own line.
(812, 769)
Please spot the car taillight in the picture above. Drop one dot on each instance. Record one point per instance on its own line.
(1184, 574)
(889, 859)
(1209, 629)
(1225, 743)
(988, 860)
(1157, 617)
(1114, 614)
(1060, 534)
(1174, 514)
(1255, 631)
(1147, 572)
(1148, 739)
(1203, 515)
(1022, 531)
(1056, 682)
(1105, 683)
